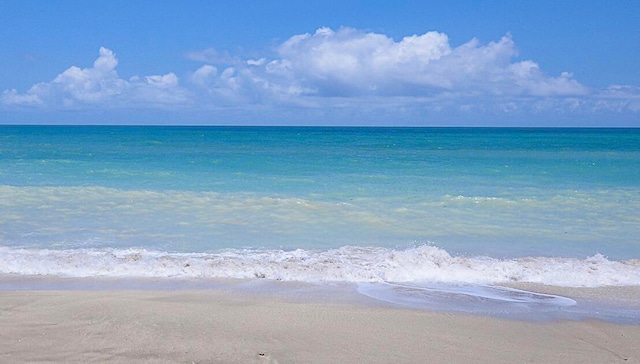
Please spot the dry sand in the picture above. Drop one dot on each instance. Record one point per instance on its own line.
(216, 326)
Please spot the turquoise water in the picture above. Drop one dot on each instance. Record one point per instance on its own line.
(309, 204)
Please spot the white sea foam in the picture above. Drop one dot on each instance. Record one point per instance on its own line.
(346, 264)
(492, 300)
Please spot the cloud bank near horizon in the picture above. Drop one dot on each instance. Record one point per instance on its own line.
(344, 68)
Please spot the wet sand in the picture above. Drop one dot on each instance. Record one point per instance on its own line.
(222, 326)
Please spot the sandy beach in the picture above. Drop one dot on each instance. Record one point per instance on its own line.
(219, 326)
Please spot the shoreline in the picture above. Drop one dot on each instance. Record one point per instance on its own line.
(515, 301)
(232, 326)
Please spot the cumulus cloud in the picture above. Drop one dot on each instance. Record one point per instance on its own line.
(12, 97)
(351, 63)
(203, 75)
(341, 69)
(100, 85)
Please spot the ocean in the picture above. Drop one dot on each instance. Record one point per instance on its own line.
(457, 207)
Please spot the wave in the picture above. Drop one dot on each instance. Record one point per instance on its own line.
(423, 263)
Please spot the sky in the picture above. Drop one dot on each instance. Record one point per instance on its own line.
(391, 63)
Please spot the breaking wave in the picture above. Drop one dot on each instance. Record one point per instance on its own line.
(424, 263)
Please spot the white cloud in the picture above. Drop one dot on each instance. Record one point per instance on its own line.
(349, 62)
(622, 91)
(89, 85)
(256, 62)
(618, 98)
(203, 75)
(101, 85)
(12, 97)
(342, 69)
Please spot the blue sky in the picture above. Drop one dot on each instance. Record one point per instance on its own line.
(498, 63)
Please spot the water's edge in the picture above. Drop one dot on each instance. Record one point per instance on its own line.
(525, 302)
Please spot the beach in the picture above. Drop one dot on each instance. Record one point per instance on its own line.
(223, 326)
(319, 245)
(320, 182)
